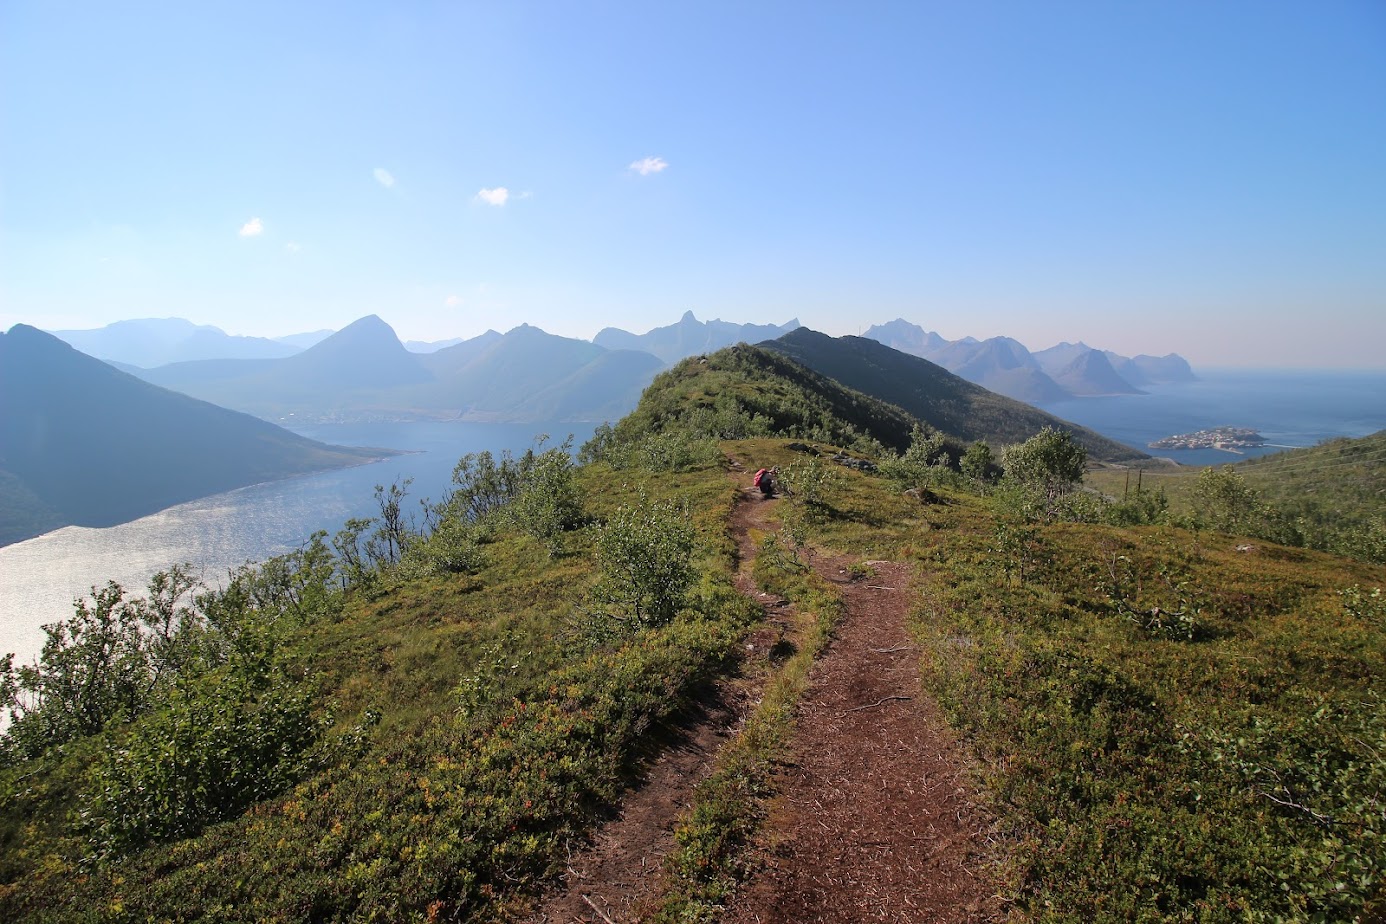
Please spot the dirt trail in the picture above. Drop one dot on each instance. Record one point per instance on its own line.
(873, 822)
(610, 878)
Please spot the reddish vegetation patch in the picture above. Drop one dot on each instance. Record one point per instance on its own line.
(874, 821)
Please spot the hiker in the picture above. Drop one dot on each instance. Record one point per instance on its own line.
(765, 480)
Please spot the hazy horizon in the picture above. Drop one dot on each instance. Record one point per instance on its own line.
(1204, 180)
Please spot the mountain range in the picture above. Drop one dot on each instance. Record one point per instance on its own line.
(145, 347)
(84, 443)
(150, 342)
(1006, 366)
(690, 337)
(363, 372)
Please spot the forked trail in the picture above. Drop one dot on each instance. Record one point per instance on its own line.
(873, 820)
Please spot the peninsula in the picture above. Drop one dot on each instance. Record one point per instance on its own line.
(1230, 439)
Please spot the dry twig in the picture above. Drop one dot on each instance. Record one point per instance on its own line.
(600, 913)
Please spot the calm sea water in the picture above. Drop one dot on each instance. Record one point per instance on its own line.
(39, 578)
(1292, 409)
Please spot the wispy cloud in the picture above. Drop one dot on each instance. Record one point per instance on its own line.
(453, 301)
(253, 228)
(384, 177)
(292, 247)
(496, 196)
(647, 165)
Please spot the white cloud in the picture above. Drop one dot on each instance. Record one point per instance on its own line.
(292, 247)
(253, 228)
(496, 196)
(384, 177)
(647, 165)
(453, 301)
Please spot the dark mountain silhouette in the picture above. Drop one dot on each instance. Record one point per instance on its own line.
(82, 442)
(150, 342)
(690, 337)
(933, 394)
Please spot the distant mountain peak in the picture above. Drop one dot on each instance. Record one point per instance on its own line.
(688, 337)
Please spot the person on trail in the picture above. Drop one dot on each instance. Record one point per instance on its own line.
(765, 480)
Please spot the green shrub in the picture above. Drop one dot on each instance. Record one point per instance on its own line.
(645, 554)
(215, 747)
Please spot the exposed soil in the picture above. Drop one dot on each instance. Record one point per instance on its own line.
(873, 821)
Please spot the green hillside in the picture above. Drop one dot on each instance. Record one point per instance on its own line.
(421, 725)
(1330, 497)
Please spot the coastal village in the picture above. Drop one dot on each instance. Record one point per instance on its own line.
(1230, 439)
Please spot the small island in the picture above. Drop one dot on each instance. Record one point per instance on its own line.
(1230, 439)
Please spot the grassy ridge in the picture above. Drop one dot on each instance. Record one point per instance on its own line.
(1171, 728)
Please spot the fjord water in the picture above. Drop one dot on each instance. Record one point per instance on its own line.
(40, 577)
(1291, 409)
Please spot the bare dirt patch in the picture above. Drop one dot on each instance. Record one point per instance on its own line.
(874, 821)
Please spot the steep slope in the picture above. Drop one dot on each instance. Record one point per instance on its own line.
(690, 337)
(932, 393)
(150, 342)
(85, 443)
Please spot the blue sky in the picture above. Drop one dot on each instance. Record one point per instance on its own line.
(1206, 178)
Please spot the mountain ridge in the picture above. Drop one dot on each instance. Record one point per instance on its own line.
(930, 392)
